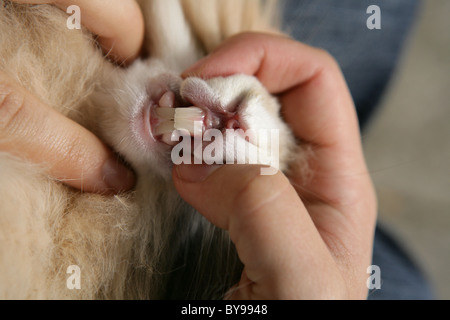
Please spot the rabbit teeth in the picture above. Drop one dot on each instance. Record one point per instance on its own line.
(180, 119)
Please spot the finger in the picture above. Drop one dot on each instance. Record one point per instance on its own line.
(70, 153)
(316, 104)
(273, 233)
(284, 65)
(273, 58)
(119, 24)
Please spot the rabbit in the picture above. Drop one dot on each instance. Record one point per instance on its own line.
(147, 243)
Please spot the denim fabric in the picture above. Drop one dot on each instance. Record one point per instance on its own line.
(401, 277)
(368, 59)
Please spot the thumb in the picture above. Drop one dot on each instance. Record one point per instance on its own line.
(274, 236)
(35, 132)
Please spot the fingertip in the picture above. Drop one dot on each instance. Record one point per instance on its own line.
(116, 176)
(119, 26)
(124, 45)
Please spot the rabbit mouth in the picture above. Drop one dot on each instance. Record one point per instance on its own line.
(191, 116)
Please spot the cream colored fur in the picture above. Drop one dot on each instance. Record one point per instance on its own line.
(127, 246)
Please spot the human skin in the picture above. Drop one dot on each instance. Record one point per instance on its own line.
(38, 133)
(297, 238)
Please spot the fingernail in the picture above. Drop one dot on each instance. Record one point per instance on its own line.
(195, 172)
(117, 177)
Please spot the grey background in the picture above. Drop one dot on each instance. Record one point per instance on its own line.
(407, 146)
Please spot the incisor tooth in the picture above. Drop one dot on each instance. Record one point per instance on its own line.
(167, 139)
(186, 118)
(191, 112)
(165, 113)
(193, 127)
(165, 127)
(184, 124)
(167, 100)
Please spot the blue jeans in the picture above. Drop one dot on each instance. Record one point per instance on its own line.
(368, 59)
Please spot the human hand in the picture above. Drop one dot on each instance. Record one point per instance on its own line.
(297, 238)
(31, 130)
(118, 25)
